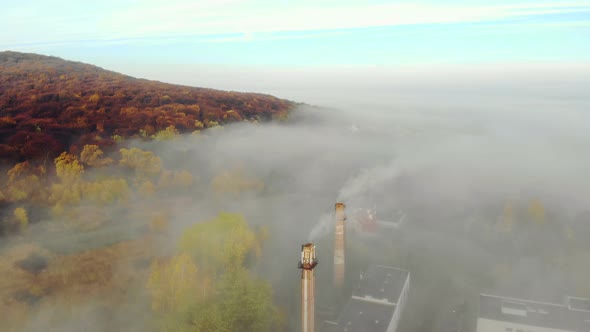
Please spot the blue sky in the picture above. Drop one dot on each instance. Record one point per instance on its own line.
(299, 33)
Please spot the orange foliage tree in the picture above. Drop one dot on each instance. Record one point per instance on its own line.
(92, 156)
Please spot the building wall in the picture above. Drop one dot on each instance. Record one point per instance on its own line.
(489, 325)
(399, 308)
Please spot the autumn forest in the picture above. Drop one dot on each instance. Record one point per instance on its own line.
(49, 105)
(72, 171)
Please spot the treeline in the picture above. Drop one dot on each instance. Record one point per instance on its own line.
(134, 174)
(49, 105)
(96, 180)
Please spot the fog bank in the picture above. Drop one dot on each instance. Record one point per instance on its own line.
(450, 149)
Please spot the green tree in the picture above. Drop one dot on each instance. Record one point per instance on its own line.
(177, 283)
(185, 299)
(220, 244)
(242, 304)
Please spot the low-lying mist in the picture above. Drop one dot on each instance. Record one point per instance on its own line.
(491, 175)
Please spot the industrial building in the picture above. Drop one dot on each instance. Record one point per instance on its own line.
(377, 302)
(506, 314)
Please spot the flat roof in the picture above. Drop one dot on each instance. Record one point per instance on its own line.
(578, 303)
(532, 313)
(373, 302)
(364, 316)
(381, 283)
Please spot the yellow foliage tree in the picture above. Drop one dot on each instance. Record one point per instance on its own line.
(235, 182)
(24, 188)
(57, 210)
(537, 211)
(92, 156)
(145, 163)
(184, 298)
(106, 191)
(68, 168)
(222, 243)
(243, 304)
(166, 179)
(21, 217)
(183, 179)
(179, 179)
(66, 194)
(177, 284)
(22, 184)
(167, 134)
(281, 116)
(94, 98)
(212, 124)
(70, 188)
(159, 223)
(147, 189)
(17, 171)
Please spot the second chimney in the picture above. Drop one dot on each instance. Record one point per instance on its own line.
(339, 245)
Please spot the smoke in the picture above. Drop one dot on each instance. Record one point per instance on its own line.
(322, 228)
(447, 150)
(366, 181)
(356, 189)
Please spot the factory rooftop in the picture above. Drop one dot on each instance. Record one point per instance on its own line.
(360, 315)
(376, 302)
(381, 283)
(572, 316)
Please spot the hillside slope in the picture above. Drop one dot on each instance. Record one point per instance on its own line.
(48, 105)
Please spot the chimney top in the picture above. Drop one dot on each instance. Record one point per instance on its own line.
(308, 257)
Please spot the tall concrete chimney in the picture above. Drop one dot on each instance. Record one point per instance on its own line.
(307, 264)
(339, 245)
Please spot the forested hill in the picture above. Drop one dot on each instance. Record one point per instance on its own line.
(49, 105)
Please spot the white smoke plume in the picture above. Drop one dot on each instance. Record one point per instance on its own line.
(366, 180)
(322, 227)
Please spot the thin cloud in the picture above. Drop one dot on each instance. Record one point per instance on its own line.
(249, 19)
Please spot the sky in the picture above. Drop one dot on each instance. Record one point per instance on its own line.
(305, 33)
